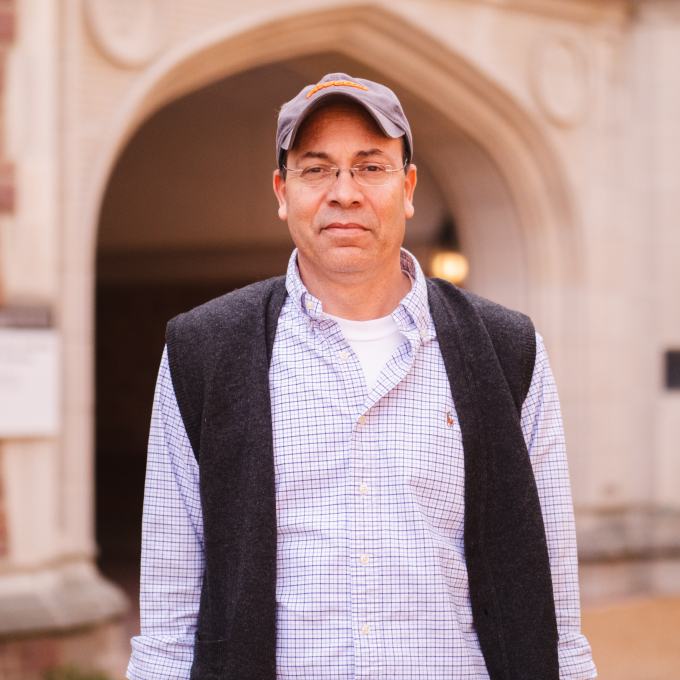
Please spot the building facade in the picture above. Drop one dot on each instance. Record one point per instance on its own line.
(136, 151)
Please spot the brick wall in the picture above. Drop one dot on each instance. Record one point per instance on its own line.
(7, 190)
(75, 655)
(7, 33)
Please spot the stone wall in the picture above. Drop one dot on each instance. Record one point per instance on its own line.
(548, 129)
(7, 193)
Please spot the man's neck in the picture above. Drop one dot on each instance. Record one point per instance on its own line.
(359, 298)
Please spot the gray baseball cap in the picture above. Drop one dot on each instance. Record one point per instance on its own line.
(377, 99)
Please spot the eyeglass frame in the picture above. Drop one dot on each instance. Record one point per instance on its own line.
(286, 169)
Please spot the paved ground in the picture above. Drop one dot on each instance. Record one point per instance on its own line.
(635, 640)
(126, 575)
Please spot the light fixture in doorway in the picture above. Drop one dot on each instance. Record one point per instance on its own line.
(448, 262)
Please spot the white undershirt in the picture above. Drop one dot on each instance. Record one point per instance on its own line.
(373, 342)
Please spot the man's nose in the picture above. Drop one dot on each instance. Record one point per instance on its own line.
(345, 190)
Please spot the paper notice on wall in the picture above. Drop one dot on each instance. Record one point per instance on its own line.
(29, 382)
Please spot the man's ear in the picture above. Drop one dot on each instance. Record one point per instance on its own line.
(280, 191)
(409, 188)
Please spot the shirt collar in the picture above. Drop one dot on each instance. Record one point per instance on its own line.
(415, 304)
(413, 309)
(305, 303)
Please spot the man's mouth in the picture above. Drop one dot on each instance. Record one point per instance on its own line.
(349, 229)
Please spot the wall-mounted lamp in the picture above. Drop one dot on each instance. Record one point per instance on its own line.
(449, 265)
(448, 262)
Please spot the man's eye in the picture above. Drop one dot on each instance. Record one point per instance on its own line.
(371, 168)
(315, 170)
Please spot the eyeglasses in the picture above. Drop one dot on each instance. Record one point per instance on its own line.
(367, 174)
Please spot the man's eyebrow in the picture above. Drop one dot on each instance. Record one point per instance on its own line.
(370, 152)
(316, 154)
(360, 154)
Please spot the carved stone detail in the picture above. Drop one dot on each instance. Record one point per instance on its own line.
(560, 78)
(129, 32)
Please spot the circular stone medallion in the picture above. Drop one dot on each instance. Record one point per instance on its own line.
(560, 79)
(129, 32)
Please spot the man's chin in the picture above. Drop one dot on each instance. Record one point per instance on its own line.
(345, 259)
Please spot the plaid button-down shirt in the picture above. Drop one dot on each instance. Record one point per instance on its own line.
(371, 574)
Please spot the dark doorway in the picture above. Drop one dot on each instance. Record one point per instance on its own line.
(130, 332)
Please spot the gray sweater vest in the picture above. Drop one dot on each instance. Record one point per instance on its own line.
(219, 357)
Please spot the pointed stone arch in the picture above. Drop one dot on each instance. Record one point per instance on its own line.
(500, 174)
(501, 138)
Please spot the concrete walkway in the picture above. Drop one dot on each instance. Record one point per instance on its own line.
(635, 640)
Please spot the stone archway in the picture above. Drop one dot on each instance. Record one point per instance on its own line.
(503, 175)
(492, 164)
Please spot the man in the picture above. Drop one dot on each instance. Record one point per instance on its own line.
(354, 472)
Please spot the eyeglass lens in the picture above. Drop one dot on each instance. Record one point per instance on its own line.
(368, 174)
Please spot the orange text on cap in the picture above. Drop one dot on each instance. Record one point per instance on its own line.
(336, 83)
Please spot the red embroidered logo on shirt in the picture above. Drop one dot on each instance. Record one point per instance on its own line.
(449, 419)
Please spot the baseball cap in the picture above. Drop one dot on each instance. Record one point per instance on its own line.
(377, 99)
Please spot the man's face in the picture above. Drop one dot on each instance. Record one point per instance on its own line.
(344, 227)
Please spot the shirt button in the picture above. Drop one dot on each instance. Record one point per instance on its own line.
(363, 489)
(365, 629)
(423, 333)
(309, 304)
(344, 356)
(364, 559)
(362, 420)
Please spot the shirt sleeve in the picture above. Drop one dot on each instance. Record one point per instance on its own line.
(172, 546)
(544, 436)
